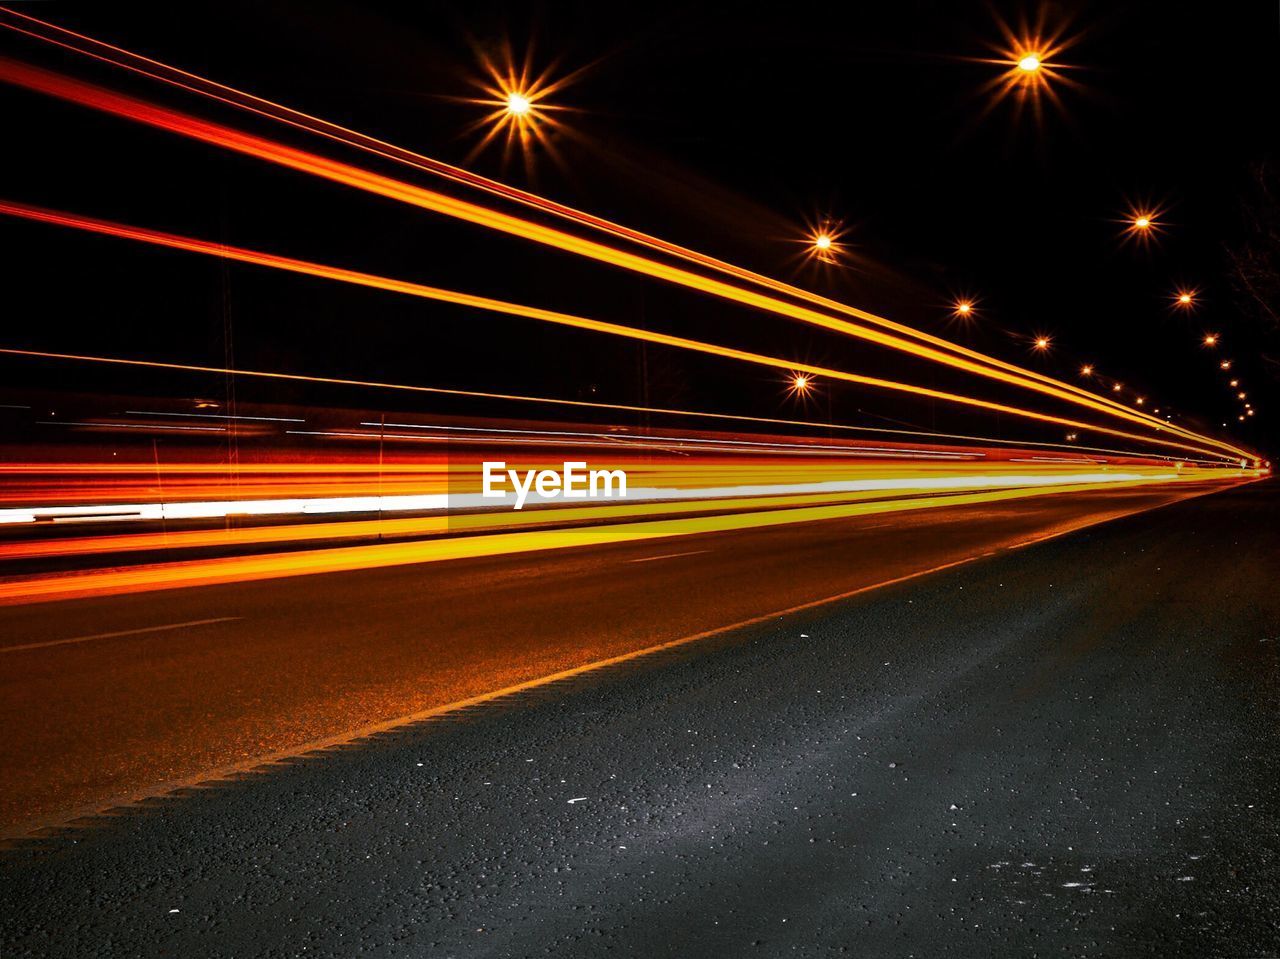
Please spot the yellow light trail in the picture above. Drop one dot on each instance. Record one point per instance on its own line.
(241, 568)
(126, 107)
(419, 526)
(409, 288)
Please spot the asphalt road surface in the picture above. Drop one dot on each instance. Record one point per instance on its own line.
(139, 690)
(1066, 749)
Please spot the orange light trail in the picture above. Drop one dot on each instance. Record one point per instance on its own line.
(174, 76)
(339, 274)
(299, 563)
(702, 502)
(107, 101)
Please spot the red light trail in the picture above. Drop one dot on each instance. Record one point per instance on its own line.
(336, 171)
(600, 326)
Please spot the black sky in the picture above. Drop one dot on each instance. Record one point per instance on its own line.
(719, 127)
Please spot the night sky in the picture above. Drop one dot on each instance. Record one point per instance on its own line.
(720, 128)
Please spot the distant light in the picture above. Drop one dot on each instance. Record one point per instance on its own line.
(1235, 382)
(1086, 370)
(1140, 401)
(1211, 339)
(1117, 388)
(518, 104)
(1241, 395)
(1029, 63)
(1042, 342)
(964, 307)
(800, 382)
(824, 241)
(1225, 364)
(1142, 224)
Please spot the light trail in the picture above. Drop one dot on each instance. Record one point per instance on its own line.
(736, 444)
(457, 500)
(725, 500)
(307, 562)
(557, 401)
(116, 104)
(185, 80)
(339, 274)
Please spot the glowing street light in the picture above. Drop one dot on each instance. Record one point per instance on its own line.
(1116, 388)
(1142, 224)
(1235, 383)
(964, 308)
(823, 241)
(1086, 370)
(1140, 400)
(800, 383)
(1225, 364)
(1185, 299)
(518, 105)
(1042, 343)
(1211, 339)
(1241, 395)
(1031, 69)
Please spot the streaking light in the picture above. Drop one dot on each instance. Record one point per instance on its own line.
(600, 326)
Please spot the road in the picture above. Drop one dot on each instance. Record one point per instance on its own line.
(1070, 748)
(182, 683)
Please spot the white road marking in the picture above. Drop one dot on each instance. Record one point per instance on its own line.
(122, 632)
(650, 559)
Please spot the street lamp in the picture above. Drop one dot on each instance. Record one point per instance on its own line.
(1042, 343)
(518, 104)
(824, 241)
(1086, 370)
(1211, 339)
(1142, 224)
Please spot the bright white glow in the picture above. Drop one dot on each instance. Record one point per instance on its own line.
(440, 501)
(518, 104)
(1029, 64)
